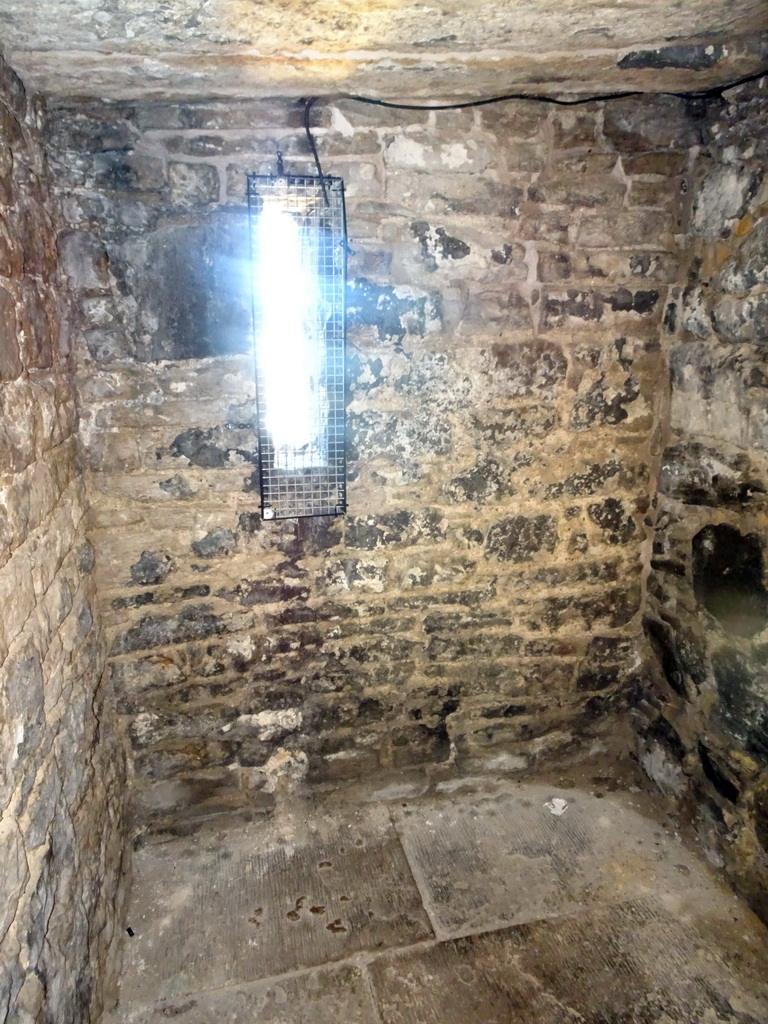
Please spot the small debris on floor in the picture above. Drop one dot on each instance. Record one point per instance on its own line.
(556, 806)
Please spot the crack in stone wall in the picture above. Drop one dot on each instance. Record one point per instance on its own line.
(61, 774)
(511, 278)
(703, 709)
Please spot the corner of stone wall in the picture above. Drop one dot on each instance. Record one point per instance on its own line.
(693, 125)
(702, 713)
(63, 774)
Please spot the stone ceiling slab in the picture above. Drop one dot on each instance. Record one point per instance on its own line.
(195, 49)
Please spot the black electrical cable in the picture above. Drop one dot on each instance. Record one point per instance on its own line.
(307, 108)
(703, 94)
(532, 97)
(540, 98)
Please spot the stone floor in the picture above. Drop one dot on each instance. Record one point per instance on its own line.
(473, 901)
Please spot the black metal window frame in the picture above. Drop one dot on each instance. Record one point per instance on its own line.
(297, 480)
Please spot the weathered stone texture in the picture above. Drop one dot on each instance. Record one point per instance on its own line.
(61, 774)
(195, 49)
(703, 713)
(505, 325)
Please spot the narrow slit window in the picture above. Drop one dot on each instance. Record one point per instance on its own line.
(299, 249)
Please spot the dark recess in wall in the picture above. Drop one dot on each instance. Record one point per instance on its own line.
(728, 578)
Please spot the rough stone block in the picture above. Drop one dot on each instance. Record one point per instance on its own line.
(236, 175)
(536, 368)
(582, 164)
(611, 516)
(742, 320)
(439, 193)
(192, 623)
(575, 129)
(497, 311)
(369, 532)
(595, 476)
(447, 648)
(519, 538)
(11, 251)
(33, 222)
(93, 129)
(219, 541)
(118, 171)
(700, 474)
(633, 227)
(83, 259)
(193, 184)
(516, 120)
(394, 312)
(654, 165)
(721, 199)
(603, 609)
(544, 225)
(604, 402)
(640, 124)
(592, 193)
(420, 744)
(10, 357)
(152, 567)
(502, 426)
(748, 267)
(408, 152)
(487, 480)
(631, 268)
(12, 90)
(37, 325)
(660, 194)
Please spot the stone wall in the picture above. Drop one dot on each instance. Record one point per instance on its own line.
(510, 275)
(703, 713)
(60, 782)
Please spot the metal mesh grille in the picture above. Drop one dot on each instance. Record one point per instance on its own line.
(299, 246)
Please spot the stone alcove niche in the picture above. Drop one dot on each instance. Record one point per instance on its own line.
(557, 328)
(728, 578)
